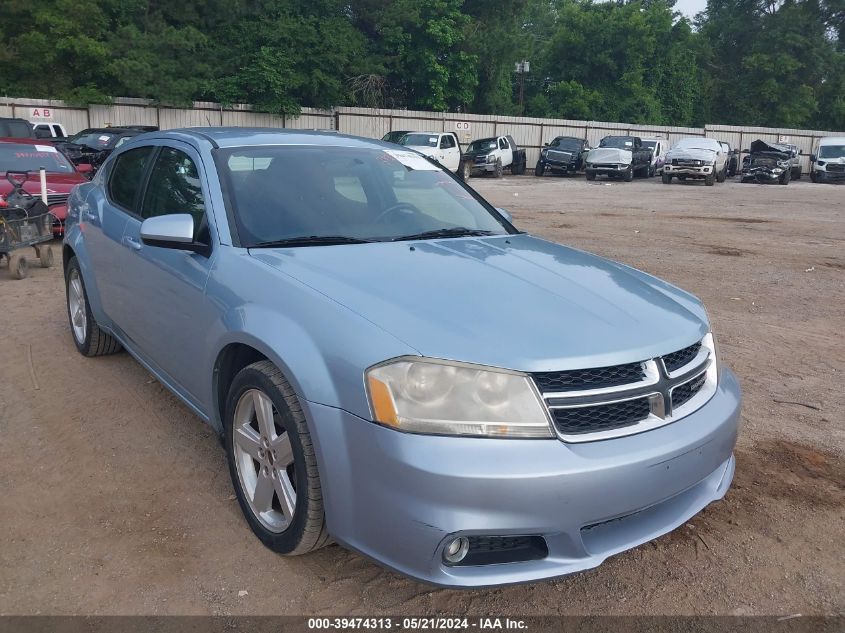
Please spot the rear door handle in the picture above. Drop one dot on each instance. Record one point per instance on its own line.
(132, 243)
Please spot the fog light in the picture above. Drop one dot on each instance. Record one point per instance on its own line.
(456, 550)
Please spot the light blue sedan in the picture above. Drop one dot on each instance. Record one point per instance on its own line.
(394, 366)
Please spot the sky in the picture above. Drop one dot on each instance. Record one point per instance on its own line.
(690, 7)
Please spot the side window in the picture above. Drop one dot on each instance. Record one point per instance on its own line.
(447, 142)
(58, 132)
(174, 187)
(42, 131)
(125, 177)
(503, 144)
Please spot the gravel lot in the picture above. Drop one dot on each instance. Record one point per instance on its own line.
(115, 499)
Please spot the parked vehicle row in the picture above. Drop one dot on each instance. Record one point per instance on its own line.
(623, 157)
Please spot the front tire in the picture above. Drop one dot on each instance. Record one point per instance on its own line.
(666, 178)
(272, 462)
(498, 170)
(591, 175)
(710, 180)
(722, 175)
(629, 175)
(90, 340)
(466, 170)
(787, 176)
(539, 170)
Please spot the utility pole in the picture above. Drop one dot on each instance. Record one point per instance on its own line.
(522, 68)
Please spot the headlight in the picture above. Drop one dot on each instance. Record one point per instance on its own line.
(421, 395)
(490, 158)
(777, 170)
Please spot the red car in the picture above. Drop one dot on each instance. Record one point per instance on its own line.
(20, 154)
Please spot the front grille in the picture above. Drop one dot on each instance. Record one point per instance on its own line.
(682, 357)
(605, 165)
(563, 157)
(601, 417)
(684, 393)
(835, 167)
(56, 198)
(685, 162)
(577, 379)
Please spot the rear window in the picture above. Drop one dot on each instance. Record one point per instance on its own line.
(126, 175)
(16, 128)
(21, 157)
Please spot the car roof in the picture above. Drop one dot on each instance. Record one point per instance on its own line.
(228, 137)
(832, 140)
(24, 141)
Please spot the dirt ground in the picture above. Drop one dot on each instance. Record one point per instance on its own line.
(115, 499)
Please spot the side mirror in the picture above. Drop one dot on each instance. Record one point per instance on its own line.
(505, 214)
(813, 157)
(172, 231)
(545, 144)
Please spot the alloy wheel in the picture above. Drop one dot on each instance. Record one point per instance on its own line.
(76, 305)
(264, 460)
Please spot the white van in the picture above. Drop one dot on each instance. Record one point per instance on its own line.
(828, 163)
(659, 147)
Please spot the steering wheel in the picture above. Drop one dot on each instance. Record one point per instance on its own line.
(399, 206)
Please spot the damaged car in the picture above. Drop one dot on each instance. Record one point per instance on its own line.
(767, 163)
(696, 158)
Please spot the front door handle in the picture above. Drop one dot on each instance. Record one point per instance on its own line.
(132, 243)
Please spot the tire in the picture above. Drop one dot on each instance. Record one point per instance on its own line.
(787, 176)
(498, 171)
(710, 180)
(18, 266)
(591, 175)
(666, 178)
(722, 175)
(539, 170)
(652, 170)
(90, 340)
(256, 455)
(800, 173)
(629, 175)
(813, 177)
(465, 170)
(45, 256)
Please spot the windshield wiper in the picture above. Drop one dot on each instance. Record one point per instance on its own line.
(458, 231)
(311, 240)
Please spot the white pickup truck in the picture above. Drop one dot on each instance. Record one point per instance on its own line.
(493, 155)
(48, 130)
(441, 146)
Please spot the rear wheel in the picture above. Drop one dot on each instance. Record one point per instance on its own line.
(90, 340)
(18, 266)
(540, 169)
(272, 462)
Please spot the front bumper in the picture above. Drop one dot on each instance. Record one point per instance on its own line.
(559, 165)
(829, 176)
(398, 498)
(760, 176)
(688, 170)
(608, 168)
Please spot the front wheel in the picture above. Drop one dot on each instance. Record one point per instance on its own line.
(466, 170)
(710, 180)
(629, 175)
(272, 462)
(722, 175)
(666, 178)
(813, 177)
(787, 176)
(90, 340)
(498, 171)
(591, 175)
(540, 169)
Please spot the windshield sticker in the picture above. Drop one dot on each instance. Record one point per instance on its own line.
(411, 160)
(432, 139)
(46, 148)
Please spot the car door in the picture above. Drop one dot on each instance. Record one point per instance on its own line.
(109, 208)
(166, 287)
(451, 155)
(506, 151)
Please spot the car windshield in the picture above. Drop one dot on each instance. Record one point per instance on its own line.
(299, 193)
(21, 157)
(566, 143)
(419, 140)
(696, 143)
(832, 151)
(394, 137)
(619, 142)
(482, 145)
(650, 144)
(95, 139)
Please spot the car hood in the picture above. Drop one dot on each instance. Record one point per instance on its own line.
(609, 155)
(691, 153)
(57, 183)
(423, 149)
(770, 149)
(508, 301)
